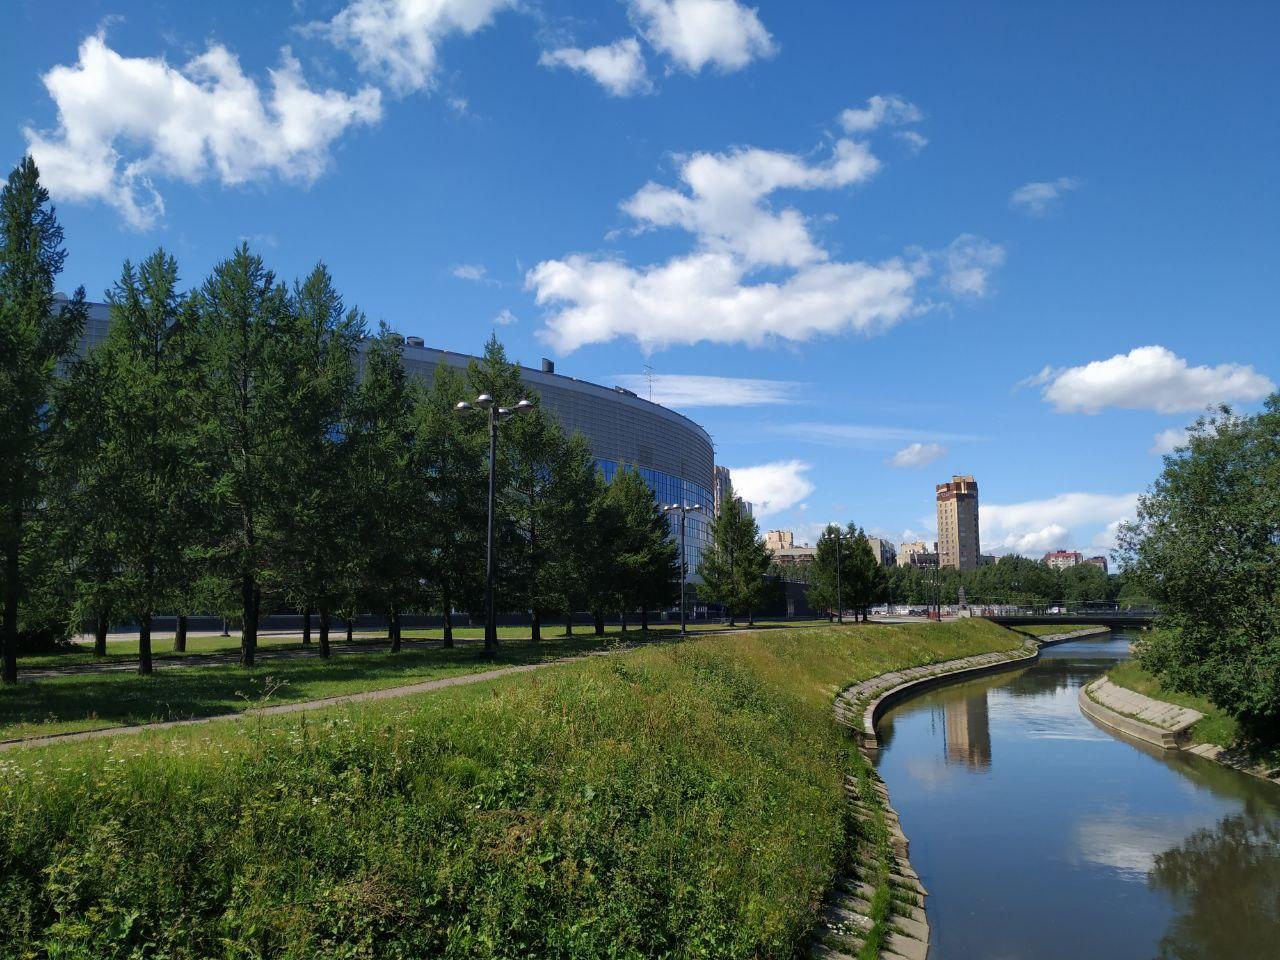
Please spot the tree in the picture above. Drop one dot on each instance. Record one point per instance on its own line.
(147, 449)
(580, 529)
(451, 461)
(734, 567)
(320, 515)
(242, 409)
(1205, 544)
(36, 333)
(384, 475)
(832, 571)
(645, 557)
(867, 583)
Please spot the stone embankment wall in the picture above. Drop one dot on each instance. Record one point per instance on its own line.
(848, 915)
(1144, 718)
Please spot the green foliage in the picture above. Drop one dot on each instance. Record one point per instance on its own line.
(36, 333)
(684, 800)
(833, 570)
(1206, 547)
(734, 567)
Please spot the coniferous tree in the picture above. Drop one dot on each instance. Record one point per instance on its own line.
(36, 333)
(578, 558)
(321, 513)
(242, 406)
(867, 579)
(734, 567)
(452, 466)
(646, 558)
(147, 440)
(384, 475)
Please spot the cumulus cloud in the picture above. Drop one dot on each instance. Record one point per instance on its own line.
(868, 435)
(1035, 526)
(125, 122)
(918, 454)
(1038, 197)
(1151, 378)
(618, 67)
(696, 33)
(772, 487)
(397, 41)
(725, 200)
(880, 110)
(968, 264)
(717, 292)
(686, 390)
(915, 140)
(505, 318)
(470, 271)
(1167, 441)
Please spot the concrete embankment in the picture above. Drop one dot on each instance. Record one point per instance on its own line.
(848, 913)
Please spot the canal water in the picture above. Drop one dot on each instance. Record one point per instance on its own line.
(1039, 835)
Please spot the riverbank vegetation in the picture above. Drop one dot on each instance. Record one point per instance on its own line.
(679, 800)
(1205, 545)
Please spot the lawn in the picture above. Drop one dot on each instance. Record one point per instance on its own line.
(679, 800)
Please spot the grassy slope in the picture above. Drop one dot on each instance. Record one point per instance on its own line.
(1216, 727)
(1047, 629)
(679, 800)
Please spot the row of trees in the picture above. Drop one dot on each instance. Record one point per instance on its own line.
(239, 447)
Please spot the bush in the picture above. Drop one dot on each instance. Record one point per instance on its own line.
(680, 801)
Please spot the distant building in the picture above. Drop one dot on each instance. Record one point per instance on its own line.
(1100, 562)
(958, 523)
(917, 553)
(722, 483)
(781, 545)
(1061, 559)
(886, 553)
(987, 559)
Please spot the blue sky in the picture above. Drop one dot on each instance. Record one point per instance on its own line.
(1025, 241)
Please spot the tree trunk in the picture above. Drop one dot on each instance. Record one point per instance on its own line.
(306, 627)
(622, 616)
(644, 619)
(599, 623)
(100, 627)
(568, 624)
(144, 643)
(9, 638)
(249, 620)
(324, 632)
(393, 629)
(447, 617)
(751, 618)
(535, 627)
(180, 634)
(350, 628)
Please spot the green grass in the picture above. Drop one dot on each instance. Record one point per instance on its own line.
(91, 701)
(1216, 727)
(679, 800)
(162, 645)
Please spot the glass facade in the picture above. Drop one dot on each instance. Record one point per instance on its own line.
(668, 489)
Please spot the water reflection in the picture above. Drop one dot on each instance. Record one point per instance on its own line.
(1025, 818)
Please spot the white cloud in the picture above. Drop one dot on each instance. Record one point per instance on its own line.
(913, 139)
(968, 264)
(1037, 197)
(772, 487)
(704, 298)
(880, 110)
(918, 454)
(695, 33)
(125, 121)
(1035, 526)
(867, 435)
(618, 67)
(1167, 441)
(470, 271)
(683, 390)
(505, 318)
(726, 200)
(1151, 378)
(397, 40)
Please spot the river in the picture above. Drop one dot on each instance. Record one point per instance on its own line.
(1039, 835)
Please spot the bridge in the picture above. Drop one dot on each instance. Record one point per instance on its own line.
(1115, 619)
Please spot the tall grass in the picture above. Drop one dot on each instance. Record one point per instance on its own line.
(680, 801)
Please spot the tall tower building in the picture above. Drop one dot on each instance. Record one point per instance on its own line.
(958, 523)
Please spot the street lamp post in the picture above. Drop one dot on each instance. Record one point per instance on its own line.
(496, 415)
(839, 587)
(683, 509)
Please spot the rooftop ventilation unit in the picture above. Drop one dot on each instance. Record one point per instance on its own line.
(414, 341)
(548, 366)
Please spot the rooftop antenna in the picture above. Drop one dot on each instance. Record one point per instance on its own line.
(648, 375)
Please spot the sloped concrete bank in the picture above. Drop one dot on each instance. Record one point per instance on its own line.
(1165, 725)
(851, 916)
